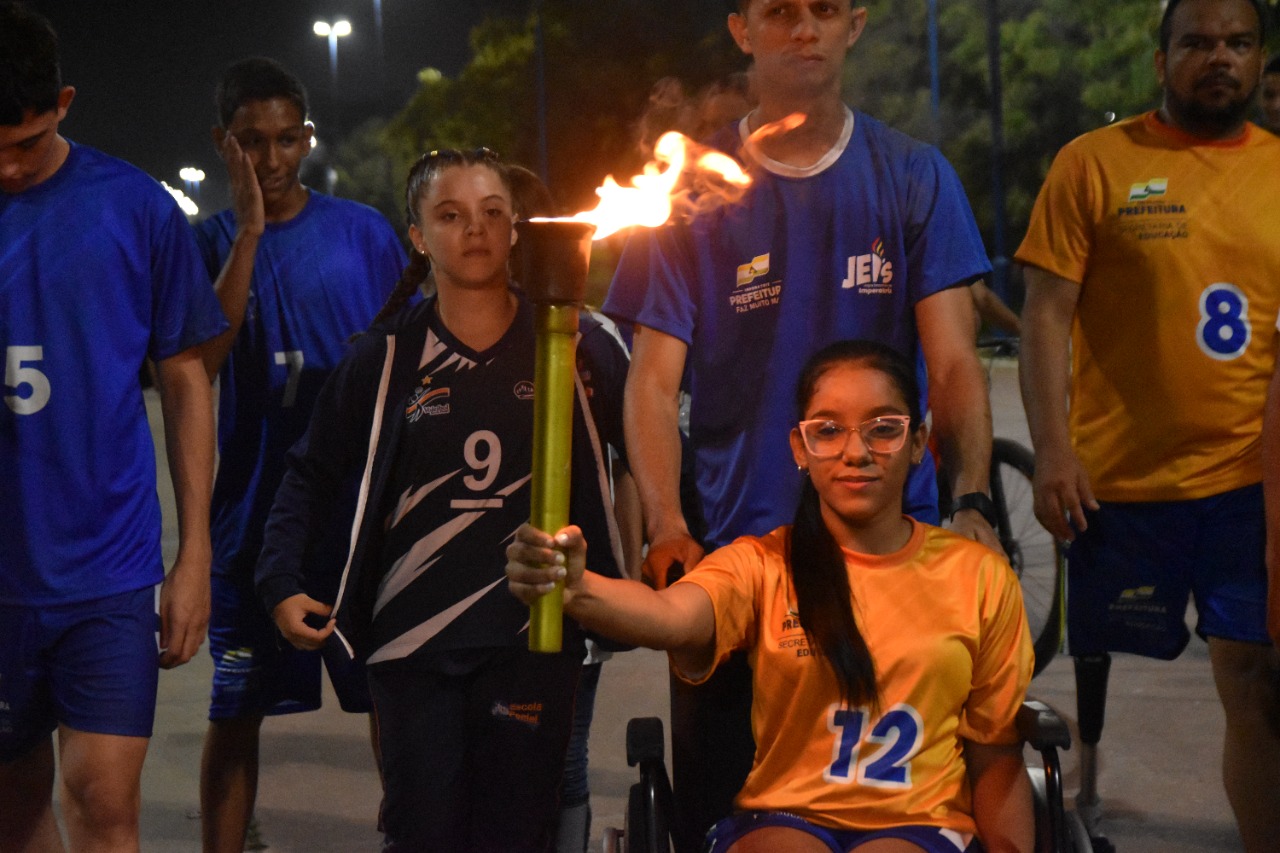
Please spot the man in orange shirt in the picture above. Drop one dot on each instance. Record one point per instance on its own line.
(1152, 270)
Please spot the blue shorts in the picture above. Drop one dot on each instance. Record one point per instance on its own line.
(1130, 573)
(932, 839)
(256, 672)
(92, 666)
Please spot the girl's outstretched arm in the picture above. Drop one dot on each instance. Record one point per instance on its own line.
(679, 620)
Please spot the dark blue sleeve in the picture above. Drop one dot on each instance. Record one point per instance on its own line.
(319, 465)
(213, 243)
(944, 246)
(388, 257)
(184, 309)
(603, 364)
(651, 285)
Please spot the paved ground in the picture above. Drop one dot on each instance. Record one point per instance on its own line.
(319, 789)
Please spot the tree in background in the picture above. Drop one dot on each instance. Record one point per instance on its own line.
(599, 69)
(1068, 66)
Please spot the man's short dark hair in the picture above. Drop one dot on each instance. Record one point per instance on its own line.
(30, 78)
(257, 79)
(1166, 22)
(1272, 67)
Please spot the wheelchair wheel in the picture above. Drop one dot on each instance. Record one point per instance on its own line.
(1037, 558)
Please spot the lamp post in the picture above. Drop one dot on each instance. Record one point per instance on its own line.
(999, 262)
(333, 31)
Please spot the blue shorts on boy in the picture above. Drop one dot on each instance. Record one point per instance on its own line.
(1131, 572)
(255, 671)
(81, 309)
(90, 665)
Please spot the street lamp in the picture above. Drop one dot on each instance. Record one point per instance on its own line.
(333, 31)
(191, 178)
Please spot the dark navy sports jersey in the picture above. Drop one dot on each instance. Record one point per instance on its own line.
(460, 486)
(98, 271)
(317, 279)
(843, 249)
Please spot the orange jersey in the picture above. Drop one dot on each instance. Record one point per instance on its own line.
(944, 621)
(1176, 243)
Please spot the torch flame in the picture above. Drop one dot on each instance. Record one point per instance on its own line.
(648, 200)
(773, 128)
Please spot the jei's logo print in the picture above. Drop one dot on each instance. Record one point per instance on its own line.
(870, 273)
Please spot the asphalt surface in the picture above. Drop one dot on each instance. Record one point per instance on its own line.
(1160, 756)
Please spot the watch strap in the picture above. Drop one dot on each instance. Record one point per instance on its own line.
(978, 501)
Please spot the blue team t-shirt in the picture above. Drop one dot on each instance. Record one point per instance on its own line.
(843, 249)
(98, 271)
(318, 279)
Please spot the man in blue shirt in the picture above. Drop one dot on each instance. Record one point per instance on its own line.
(298, 273)
(98, 272)
(849, 229)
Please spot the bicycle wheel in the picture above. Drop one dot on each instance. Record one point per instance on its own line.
(1036, 557)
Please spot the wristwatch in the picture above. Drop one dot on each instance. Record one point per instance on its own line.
(978, 501)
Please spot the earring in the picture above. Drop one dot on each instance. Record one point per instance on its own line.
(804, 472)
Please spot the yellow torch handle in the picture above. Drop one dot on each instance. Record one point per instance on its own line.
(554, 362)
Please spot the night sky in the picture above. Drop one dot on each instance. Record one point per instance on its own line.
(145, 70)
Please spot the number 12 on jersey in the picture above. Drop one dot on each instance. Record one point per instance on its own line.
(892, 742)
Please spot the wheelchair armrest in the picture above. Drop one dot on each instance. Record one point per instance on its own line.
(645, 741)
(1041, 727)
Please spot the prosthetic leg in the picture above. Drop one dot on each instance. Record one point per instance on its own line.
(1092, 672)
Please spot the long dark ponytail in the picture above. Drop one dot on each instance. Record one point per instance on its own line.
(421, 175)
(819, 576)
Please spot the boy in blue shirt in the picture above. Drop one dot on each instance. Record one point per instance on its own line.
(298, 273)
(98, 272)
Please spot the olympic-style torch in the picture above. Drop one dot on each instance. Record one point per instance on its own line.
(554, 259)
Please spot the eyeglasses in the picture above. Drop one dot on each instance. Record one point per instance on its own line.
(825, 439)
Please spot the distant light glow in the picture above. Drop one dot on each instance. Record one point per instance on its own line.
(191, 173)
(188, 206)
(338, 29)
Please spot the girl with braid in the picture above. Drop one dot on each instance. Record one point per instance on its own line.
(889, 657)
(433, 410)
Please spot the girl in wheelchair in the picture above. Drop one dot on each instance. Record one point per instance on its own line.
(889, 657)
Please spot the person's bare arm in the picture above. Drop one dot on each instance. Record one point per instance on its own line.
(679, 620)
(651, 422)
(232, 284)
(992, 310)
(1002, 805)
(1271, 491)
(959, 401)
(186, 401)
(1062, 490)
(630, 517)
